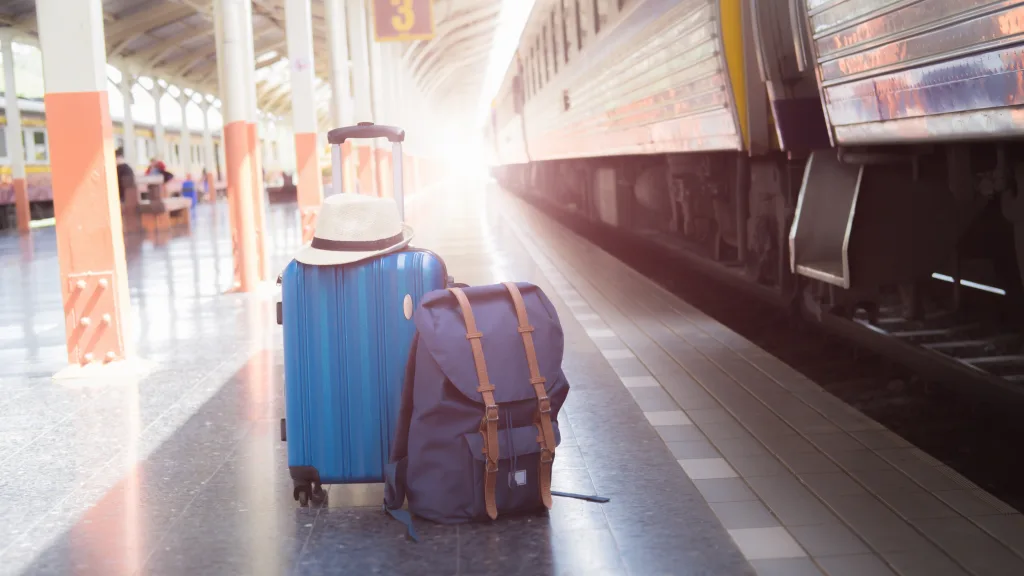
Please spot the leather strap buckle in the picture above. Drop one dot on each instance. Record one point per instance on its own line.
(491, 413)
(547, 456)
(544, 405)
(491, 466)
(525, 329)
(474, 335)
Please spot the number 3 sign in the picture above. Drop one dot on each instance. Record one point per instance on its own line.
(403, 20)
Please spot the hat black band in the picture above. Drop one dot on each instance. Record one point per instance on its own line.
(357, 246)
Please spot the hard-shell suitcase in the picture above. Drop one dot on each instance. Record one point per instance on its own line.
(347, 335)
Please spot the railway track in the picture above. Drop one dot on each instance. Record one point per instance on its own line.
(949, 384)
(945, 346)
(987, 349)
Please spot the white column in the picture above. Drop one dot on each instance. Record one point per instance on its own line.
(360, 59)
(15, 147)
(218, 36)
(128, 121)
(376, 81)
(396, 85)
(252, 116)
(337, 37)
(157, 93)
(185, 148)
(209, 161)
(231, 34)
(298, 21)
(299, 29)
(222, 156)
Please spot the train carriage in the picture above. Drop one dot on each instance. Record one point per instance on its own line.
(848, 150)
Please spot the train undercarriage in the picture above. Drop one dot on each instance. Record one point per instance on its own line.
(924, 244)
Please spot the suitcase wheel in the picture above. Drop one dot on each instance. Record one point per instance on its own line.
(306, 493)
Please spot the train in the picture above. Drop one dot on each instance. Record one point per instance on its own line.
(851, 156)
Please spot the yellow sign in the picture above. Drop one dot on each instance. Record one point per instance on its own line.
(403, 20)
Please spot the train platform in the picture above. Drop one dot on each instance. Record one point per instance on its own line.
(717, 457)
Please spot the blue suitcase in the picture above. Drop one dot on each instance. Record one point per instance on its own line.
(347, 335)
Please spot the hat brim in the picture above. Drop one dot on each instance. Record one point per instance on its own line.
(317, 257)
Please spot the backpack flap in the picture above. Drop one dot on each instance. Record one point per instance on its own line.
(442, 331)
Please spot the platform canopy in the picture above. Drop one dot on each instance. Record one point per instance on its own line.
(173, 40)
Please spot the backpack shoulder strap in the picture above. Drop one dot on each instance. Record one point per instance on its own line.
(489, 423)
(545, 431)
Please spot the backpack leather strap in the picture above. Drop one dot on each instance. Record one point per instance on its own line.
(489, 423)
(542, 419)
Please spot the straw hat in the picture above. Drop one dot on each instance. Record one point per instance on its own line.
(351, 228)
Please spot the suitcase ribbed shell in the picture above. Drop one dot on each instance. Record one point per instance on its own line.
(346, 341)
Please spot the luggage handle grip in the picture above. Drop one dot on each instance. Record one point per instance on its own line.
(366, 130)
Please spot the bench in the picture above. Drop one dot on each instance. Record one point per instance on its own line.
(160, 211)
(285, 193)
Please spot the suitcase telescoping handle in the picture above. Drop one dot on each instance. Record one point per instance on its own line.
(394, 134)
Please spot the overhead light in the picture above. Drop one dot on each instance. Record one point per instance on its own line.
(267, 56)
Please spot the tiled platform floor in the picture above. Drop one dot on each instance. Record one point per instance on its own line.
(718, 459)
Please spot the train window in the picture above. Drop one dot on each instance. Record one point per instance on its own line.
(581, 17)
(3, 142)
(517, 94)
(565, 32)
(602, 11)
(547, 65)
(40, 153)
(533, 71)
(529, 75)
(554, 44)
(540, 68)
(142, 150)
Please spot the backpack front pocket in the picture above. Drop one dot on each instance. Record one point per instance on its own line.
(517, 483)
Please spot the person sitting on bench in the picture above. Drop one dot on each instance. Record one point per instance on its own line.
(156, 166)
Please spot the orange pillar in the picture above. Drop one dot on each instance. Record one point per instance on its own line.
(241, 214)
(211, 186)
(364, 156)
(409, 168)
(23, 211)
(348, 167)
(90, 241)
(384, 173)
(230, 31)
(259, 205)
(310, 186)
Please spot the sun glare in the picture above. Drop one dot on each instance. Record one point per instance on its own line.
(514, 14)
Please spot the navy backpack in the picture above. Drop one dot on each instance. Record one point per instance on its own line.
(478, 425)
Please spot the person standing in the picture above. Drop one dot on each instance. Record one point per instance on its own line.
(125, 174)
